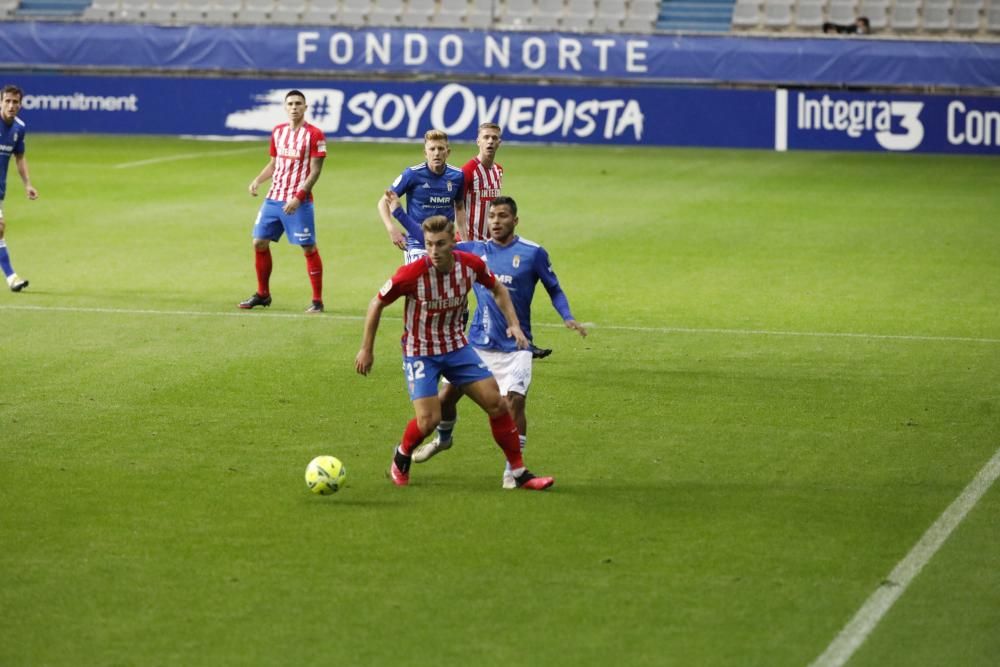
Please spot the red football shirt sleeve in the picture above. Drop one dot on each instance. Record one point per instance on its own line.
(274, 149)
(317, 142)
(403, 282)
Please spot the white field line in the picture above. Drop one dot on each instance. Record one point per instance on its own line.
(548, 325)
(875, 607)
(184, 156)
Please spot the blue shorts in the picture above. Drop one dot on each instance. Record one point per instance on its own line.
(460, 367)
(272, 221)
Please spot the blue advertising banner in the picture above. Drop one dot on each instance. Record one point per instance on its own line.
(826, 120)
(625, 115)
(388, 110)
(30, 45)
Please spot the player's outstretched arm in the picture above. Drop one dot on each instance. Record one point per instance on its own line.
(576, 326)
(365, 359)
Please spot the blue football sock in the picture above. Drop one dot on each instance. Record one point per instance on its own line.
(445, 428)
(8, 270)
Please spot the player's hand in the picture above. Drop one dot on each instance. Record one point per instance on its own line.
(398, 238)
(392, 200)
(291, 205)
(522, 341)
(576, 326)
(363, 362)
(31, 192)
(253, 188)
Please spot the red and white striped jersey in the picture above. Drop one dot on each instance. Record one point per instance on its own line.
(482, 186)
(435, 302)
(292, 150)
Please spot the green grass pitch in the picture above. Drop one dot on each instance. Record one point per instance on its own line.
(793, 369)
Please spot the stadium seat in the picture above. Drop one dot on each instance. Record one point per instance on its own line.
(581, 8)
(937, 18)
(133, 10)
(353, 12)
(967, 18)
(638, 24)
(187, 13)
(418, 13)
(480, 14)
(905, 18)
(841, 12)
(809, 14)
(993, 17)
(778, 13)
(644, 9)
(575, 23)
(609, 15)
(547, 14)
(515, 13)
(385, 13)
(164, 12)
(978, 4)
(320, 12)
(99, 10)
(451, 13)
(876, 11)
(746, 14)
(603, 23)
(288, 12)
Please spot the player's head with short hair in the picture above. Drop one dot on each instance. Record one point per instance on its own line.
(437, 224)
(10, 103)
(436, 150)
(504, 200)
(11, 89)
(435, 135)
(295, 93)
(490, 126)
(439, 239)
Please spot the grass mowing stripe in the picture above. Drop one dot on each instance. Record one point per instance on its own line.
(589, 325)
(878, 604)
(184, 156)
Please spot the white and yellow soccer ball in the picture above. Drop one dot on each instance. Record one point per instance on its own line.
(325, 475)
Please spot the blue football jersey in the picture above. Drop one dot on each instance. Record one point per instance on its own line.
(519, 266)
(428, 194)
(12, 143)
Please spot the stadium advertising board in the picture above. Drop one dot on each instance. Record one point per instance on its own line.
(393, 110)
(684, 59)
(624, 115)
(826, 120)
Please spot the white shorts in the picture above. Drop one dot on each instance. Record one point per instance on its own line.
(511, 369)
(410, 255)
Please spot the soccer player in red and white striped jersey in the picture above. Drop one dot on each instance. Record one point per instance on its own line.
(483, 180)
(436, 288)
(297, 153)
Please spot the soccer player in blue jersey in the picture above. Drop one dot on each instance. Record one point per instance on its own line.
(520, 265)
(432, 187)
(12, 143)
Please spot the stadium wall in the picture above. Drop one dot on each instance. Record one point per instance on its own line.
(726, 91)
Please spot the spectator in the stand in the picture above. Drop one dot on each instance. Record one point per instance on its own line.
(861, 26)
